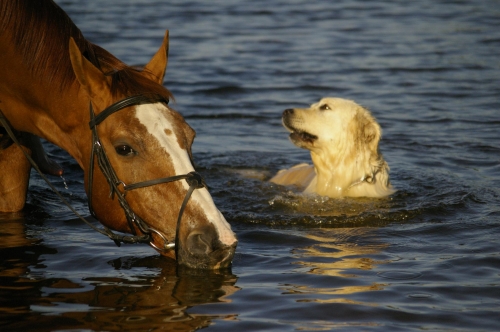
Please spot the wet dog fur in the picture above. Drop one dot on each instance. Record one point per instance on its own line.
(343, 139)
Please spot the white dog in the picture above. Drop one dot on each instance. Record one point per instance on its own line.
(343, 138)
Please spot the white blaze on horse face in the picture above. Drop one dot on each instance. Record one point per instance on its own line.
(152, 116)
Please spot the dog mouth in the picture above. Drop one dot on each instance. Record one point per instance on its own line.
(302, 136)
(298, 136)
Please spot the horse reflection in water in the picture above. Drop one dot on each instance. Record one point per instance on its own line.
(54, 83)
(149, 303)
(140, 302)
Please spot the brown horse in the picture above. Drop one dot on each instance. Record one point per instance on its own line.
(53, 83)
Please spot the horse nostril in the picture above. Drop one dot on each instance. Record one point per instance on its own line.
(288, 111)
(200, 243)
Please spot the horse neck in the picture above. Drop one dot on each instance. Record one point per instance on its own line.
(67, 116)
(60, 116)
(55, 112)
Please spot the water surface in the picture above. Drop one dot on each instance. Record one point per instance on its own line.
(426, 258)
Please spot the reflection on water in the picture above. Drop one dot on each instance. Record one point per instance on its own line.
(337, 253)
(343, 258)
(143, 304)
(141, 301)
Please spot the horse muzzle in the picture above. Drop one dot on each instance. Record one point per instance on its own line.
(202, 249)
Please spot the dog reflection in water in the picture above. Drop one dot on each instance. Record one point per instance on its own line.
(343, 139)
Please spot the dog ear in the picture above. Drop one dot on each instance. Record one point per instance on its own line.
(372, 134)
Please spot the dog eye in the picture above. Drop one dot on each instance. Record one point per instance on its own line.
(124, 150)
(324, 107)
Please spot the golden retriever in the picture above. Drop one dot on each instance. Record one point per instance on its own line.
(343, 139)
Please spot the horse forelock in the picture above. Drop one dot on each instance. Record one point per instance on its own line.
(41, 30)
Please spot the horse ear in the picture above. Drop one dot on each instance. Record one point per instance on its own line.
(90, 77)
(158, 63)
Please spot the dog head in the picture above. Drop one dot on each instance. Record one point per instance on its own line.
(343, 139)
(332, 124)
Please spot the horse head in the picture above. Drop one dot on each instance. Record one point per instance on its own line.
(143, 141)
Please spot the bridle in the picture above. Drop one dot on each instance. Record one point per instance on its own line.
(194, 180)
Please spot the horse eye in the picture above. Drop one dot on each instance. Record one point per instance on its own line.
(324, 107)
(124, 150)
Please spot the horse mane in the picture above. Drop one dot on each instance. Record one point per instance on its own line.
(41, 31)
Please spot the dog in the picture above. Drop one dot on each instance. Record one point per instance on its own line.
(343, 139)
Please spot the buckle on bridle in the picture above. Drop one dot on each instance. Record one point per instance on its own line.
(195, 180)
(167, 245)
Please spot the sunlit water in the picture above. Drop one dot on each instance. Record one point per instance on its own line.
(427, 258)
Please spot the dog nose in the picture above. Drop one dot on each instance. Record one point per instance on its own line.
(288, 111)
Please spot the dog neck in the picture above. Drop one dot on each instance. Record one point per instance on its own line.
(345, 177)
(333, 176)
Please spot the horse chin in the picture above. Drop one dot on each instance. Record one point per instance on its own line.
(218, 259)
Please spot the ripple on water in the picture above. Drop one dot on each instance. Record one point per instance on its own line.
(419, 296)
(399, 275)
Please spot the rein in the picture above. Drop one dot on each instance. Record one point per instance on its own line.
(193, 179)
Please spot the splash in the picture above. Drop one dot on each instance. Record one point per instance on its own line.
(64, 181)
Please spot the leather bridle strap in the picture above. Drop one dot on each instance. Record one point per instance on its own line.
(194, 180)
(115, 237)
(189, 177)
(129, 101)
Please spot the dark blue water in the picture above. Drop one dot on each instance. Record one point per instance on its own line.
(427, 258)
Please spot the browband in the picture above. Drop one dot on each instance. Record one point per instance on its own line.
(129, 101)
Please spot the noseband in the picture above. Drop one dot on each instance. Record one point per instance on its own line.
(194, 180)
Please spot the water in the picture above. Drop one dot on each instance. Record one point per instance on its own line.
(425, 259)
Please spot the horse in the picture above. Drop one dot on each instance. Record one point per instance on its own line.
(115, 121)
